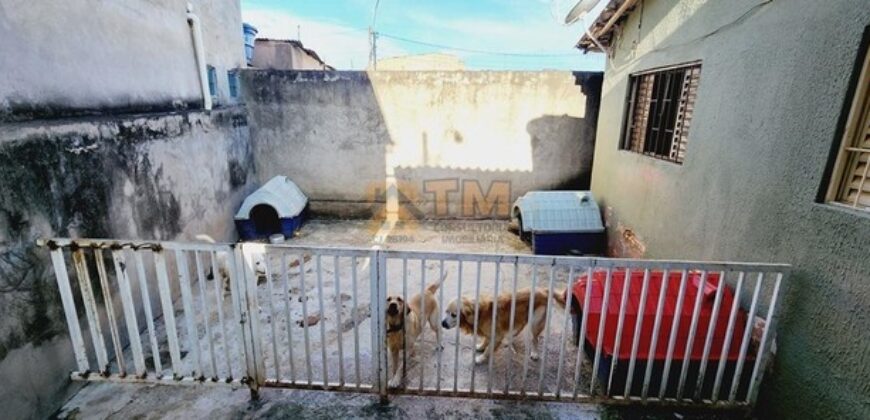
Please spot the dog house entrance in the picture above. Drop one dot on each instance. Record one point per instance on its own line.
(265, 219)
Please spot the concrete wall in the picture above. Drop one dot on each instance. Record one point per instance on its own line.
(340, 135)
(64, 58)
(155, 176)
(774, 80)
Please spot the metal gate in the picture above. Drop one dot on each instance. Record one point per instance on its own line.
(312, 317)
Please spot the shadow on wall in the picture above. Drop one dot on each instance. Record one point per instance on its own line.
(325, 131)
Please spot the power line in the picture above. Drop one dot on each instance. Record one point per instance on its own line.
(471, 50)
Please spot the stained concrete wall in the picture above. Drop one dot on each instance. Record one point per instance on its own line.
(64, 58)
(340, 135)
(775, 76)
(154, 176)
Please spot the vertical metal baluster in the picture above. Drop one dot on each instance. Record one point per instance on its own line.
(549, 313)
(110, 311)
(711, 329)
(355, 315)
(663, 291)
(600, 339)
(187, 305)
(635, 343)
(729, 333)
(218, 280)
(304, 299)
(581, 342)
(322, 323)
(423, 321)
(91, 310)
(406, 303)
(529, 338)
(338, 327)
(270, 288)
(120, 263)
(440, 344)
(458, 315)
(286, 296)
(206, 313)
(492, 335)
(568, 297)
(69, 309)
(149, 315)
(623, 303)
(474, 329)
(672, 340)
(511, 335)
(764, 346)
(168, 312)
(693, 331)
(747, 337)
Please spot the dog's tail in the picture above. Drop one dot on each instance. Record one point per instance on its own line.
(205, 238)
(433, 287)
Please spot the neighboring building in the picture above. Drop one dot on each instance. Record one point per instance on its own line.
(85, 57)
(422, 62)
(738, 130)
(285, 54)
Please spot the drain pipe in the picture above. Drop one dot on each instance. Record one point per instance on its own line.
(199, 51)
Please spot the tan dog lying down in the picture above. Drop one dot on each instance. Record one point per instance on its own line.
(462, 314)
(406, 323)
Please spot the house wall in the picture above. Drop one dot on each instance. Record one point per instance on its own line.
(341, 135)
(282, 55)
(774, 80)
(154, 176)
(63, 58)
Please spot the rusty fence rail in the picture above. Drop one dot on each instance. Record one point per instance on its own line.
(504, 326)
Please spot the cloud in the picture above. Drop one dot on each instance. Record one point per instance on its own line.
(340, 46)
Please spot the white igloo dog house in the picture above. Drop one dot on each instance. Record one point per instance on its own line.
(276, 207)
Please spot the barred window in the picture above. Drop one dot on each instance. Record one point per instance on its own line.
(849, 182)
(659, 111)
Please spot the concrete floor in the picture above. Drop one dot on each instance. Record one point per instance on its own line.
(125, 401)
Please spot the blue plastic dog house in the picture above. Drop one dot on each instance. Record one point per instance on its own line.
(276, 207)
(560, 222)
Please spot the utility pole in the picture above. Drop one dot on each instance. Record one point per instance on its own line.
(373, 51)
(373, 39)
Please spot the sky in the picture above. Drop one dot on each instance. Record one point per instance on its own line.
(485, 34)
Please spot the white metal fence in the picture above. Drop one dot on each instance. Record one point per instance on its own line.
(291, 316)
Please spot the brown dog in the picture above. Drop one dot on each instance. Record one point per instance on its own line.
(462, 314)
(406, 323)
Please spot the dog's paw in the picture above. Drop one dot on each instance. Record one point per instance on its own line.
(394, 383)
(480, 359)
(480, 347)
(535, 356)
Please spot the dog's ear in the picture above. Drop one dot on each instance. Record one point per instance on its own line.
(467, 310)
(407, 310)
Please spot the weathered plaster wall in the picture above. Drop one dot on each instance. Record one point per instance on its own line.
(340, 135)
(65, 58)
(773, 83)
(154, 176)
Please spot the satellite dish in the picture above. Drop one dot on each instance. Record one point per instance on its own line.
(581, 8)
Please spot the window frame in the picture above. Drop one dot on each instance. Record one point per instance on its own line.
(629, 112)
(848, 131)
